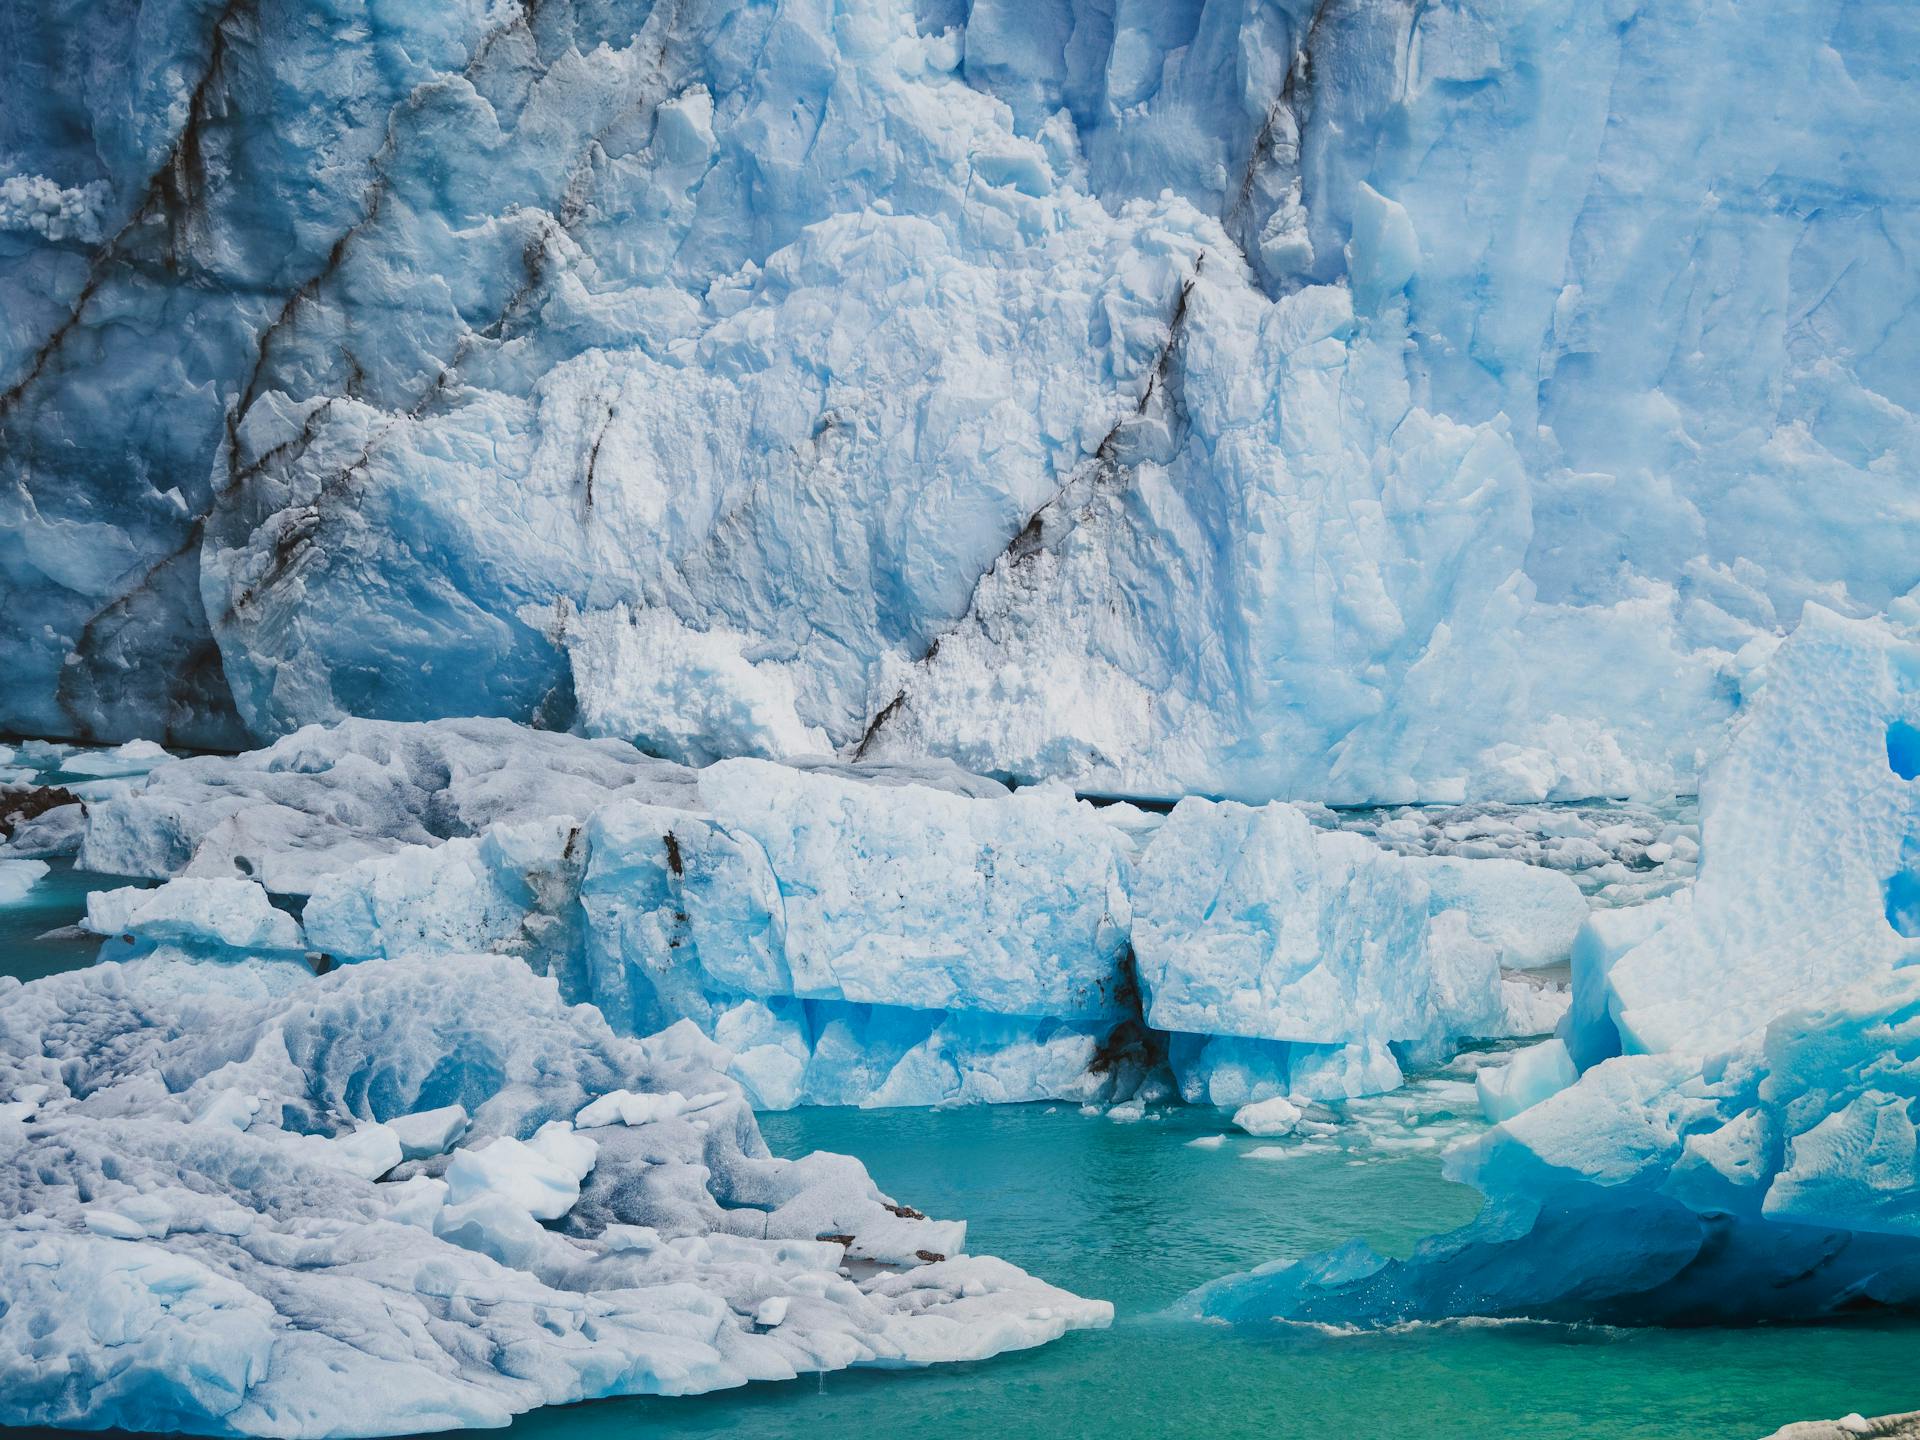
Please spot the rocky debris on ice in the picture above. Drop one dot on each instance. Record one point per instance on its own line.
(231, 1210)
(1738, 1144)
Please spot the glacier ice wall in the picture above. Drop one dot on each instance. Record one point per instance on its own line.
(1343, 400)
(1741, 1144)
(243, 1200)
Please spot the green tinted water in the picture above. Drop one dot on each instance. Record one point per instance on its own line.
(1133, 1214)
(54, 904)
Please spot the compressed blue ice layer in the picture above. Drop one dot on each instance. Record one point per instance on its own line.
(1741, 1143)
(1331, 403)
(425, 1194)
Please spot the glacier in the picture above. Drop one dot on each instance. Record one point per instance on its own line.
(1738, 1141)
(877, 933)
(715, 555)
(1366, 403)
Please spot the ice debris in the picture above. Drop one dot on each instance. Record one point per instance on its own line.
(230, 1210)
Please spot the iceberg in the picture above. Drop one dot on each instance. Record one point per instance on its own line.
(1328, 958)
(421, 1195)
(870, 933)
(1738, 1144)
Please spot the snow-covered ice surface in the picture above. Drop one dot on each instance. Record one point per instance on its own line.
(208, 1220)
(1740, 1143)
(1369, 404)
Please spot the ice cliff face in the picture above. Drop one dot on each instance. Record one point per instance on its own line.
(1351, 401)
(865, 934)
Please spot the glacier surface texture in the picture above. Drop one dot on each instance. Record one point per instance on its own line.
(1346, 400)
(1739, 1141)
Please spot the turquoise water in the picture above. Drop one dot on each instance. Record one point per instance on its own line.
(56, 902)
(1135, 1214)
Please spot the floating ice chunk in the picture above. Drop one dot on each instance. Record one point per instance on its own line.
(1528, 1078)
(228, 914)
(18, 877)
(136, 757)
(1280, 1152)
(429, 1132)
(1277, 1116)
